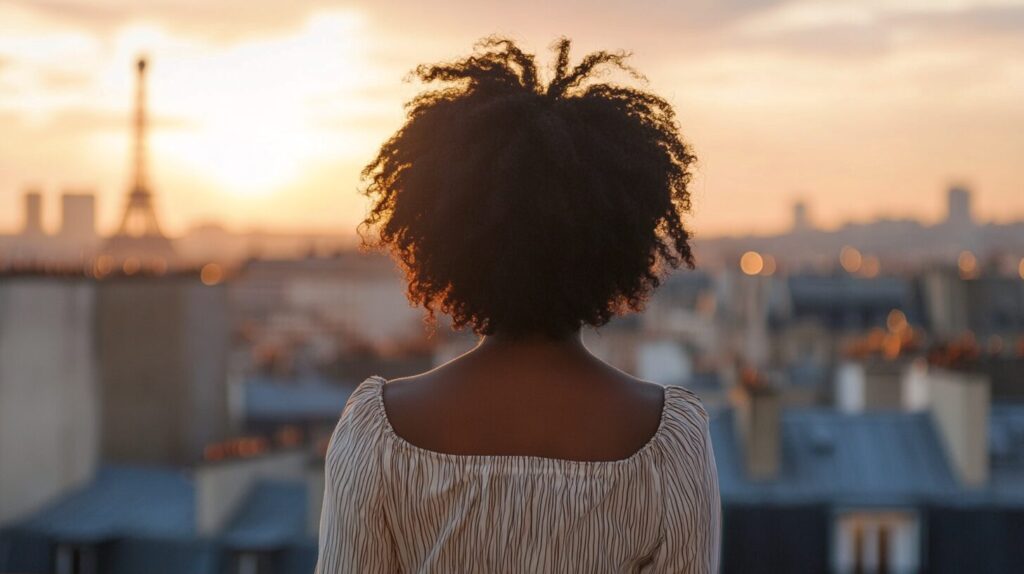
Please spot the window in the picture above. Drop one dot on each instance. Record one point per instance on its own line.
(75, 559)
(876, 542)
(252, 563)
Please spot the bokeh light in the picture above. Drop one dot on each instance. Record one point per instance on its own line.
(968, 264)
(751, 263)
(211, 274)
(851, 259)
(896, 321)
(871, 267)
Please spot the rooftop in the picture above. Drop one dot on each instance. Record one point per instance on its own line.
(871, 458)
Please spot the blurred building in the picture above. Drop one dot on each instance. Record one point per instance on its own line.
(887, 243)
(310, 405)
(361, 294)
(256, 514)
(78, 217)
(33, 225)
(873, 488)
(801, 218)
(74, 244)
(162, 345)
(958, 206)
(77, 235)
(49, 405)
(344, 317)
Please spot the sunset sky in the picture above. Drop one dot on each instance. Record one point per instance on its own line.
(264, 111)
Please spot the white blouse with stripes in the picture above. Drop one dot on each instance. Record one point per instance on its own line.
(391, 506)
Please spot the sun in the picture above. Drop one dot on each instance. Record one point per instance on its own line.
(252, 114)
(249, 155)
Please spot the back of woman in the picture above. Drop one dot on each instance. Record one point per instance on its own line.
(526, 210)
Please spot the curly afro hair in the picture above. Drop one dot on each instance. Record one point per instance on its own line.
(531, 210)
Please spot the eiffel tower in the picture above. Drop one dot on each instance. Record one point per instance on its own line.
(139, 234)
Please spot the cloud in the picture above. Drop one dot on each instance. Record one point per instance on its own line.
(82, 121)
(830, 42)
(974, 22)
(227, 21)
(64, 80)
(844, 30)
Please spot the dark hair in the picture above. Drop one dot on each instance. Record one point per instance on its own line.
(525, 209)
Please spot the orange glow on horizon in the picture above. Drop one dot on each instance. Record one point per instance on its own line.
(265, 118)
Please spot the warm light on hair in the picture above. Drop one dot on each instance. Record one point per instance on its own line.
(1020, 268)
(751, 263)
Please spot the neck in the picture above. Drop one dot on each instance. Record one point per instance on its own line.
(572, 342)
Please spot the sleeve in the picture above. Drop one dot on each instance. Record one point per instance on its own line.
(354, 533)
(692, 511)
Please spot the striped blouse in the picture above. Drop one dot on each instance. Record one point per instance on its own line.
(391, 506)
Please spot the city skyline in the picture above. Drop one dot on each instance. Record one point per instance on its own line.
(848, 106)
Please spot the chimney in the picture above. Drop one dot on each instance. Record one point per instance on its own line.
(78, 216)
(914, 386)
(850, 382)
(222, 486)
(870, 384)
(33, 213)
(960, 409)
(756, 416)
(944, 295)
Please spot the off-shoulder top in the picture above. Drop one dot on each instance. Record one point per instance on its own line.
(391, 506)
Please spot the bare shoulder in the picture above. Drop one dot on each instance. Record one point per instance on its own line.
(642, 390)
(410, 387)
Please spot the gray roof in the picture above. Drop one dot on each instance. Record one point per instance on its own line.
(1006, 450)
(827, 291)
(120, 502)
(872, 458)
(273, 516)
(159, 503)
(270, 401)
(995, 304)
(847, 302)
(860, 459)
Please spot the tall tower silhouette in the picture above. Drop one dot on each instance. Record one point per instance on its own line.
(139, 234)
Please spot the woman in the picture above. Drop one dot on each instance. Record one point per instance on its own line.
(526, 211)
